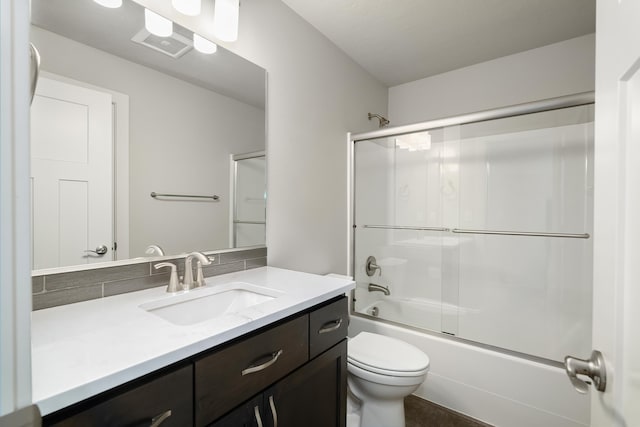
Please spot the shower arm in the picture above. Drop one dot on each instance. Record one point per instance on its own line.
(382, 121)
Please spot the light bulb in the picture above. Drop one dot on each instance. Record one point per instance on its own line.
(203, 45)
(156, 24)
(187, 7)
(109, 3)
(225, 19)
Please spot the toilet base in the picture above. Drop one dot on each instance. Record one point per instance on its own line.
(372, 410)
(383, 414)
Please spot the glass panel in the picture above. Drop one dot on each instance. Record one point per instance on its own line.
(410, 267)
(251, 189)
(250, 202)
(527, 174)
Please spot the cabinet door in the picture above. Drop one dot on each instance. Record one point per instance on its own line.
(164, 401)
(313, 396)
(250, 414)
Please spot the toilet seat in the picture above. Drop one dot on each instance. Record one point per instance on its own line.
(386, 356)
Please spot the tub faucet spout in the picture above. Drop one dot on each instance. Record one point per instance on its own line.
(379, 288)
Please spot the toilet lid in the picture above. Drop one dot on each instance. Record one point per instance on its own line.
(386, 355)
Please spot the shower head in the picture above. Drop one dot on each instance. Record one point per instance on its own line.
(382, 121)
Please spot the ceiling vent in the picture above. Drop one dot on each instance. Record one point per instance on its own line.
(174, 46)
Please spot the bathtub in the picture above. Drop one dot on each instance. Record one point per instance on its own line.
(418, 312)
(501, 389)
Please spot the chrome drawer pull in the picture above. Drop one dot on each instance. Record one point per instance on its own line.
(256, 412)
(252, 369)
(274, 414)
(159, 419)
(330, 326)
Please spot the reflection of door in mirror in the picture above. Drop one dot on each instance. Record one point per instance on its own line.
(71, 175)
(249, 194)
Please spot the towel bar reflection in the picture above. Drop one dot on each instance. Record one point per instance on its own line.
(189, 196)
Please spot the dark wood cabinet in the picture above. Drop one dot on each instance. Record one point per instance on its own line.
(166, 400)
(239, 371)
(245, 415)
(312, 396)
(294, 371)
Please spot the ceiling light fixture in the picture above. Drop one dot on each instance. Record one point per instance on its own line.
(156, 24)
(112, 4)
(187, 7)
(225, 19)
(203, 45)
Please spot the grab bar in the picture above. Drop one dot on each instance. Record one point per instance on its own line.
(522, 233)
(191, 196)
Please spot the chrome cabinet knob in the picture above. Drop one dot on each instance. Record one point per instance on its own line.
(593, 368)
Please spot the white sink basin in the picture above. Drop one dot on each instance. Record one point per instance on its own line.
(206, 303)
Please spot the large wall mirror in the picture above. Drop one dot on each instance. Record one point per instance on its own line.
(119, 114)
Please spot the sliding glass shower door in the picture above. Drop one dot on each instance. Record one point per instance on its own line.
(481, 230)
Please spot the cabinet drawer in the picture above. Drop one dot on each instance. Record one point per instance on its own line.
(327, 326)
(241, 370)
(141, 405)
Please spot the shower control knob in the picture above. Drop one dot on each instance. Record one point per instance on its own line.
(593, 368)
(371, 266)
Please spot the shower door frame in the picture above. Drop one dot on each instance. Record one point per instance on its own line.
(233, 191)
(568, 101)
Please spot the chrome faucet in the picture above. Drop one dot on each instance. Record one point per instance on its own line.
(373, 287)
(379, 288)
(154, 250)
(188, 282)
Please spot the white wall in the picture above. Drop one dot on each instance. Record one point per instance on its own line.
(559, 69)
(316, 94)
(181, 136)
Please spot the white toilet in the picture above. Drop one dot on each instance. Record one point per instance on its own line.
(382, 371)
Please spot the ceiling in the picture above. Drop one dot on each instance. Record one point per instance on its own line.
(111, 30)
(399, 41)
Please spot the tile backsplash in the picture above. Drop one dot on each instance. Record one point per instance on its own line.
(50, 290)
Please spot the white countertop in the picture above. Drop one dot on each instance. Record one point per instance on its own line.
(80, 350)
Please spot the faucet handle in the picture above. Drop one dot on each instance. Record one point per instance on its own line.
(371, 266)
(174, 283)
(199, 275)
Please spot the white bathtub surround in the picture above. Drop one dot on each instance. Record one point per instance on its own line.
(493, 387)
(74, 355)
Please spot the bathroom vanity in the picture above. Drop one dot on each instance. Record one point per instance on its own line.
(277, 363)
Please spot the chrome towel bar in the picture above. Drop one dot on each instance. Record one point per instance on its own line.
(402, 227)
(190, 196)
(523, 233)
(494, 232)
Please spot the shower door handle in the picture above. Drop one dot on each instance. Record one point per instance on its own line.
(593, 367)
